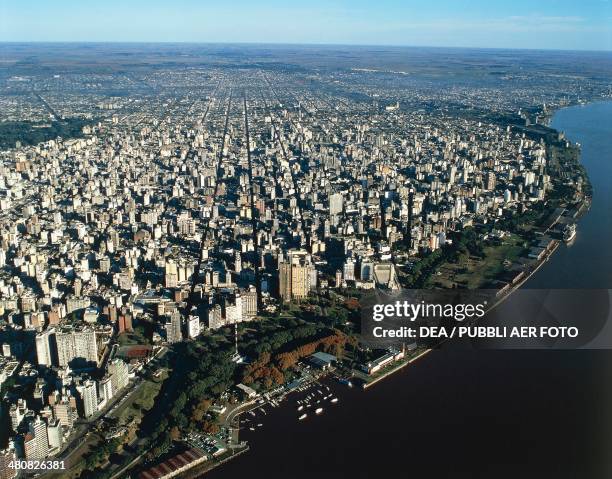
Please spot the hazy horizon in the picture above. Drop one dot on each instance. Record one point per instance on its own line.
(544, 25)
(294, 44)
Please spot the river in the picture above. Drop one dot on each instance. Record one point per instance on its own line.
(466, 413)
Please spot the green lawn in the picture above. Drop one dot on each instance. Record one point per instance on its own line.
(473, 272)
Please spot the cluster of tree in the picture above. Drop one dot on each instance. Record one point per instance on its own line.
(271, 336)
(201, 373)
(422, 270)
(99, 455)
(32, 133)
(199, 418)
(261, 370)
(468, 242)
(269, 368)
(334, 344)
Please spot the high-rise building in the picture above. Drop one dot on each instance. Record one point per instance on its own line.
(349, 270)
(119, 374)
(17, 412)
(238, 262)
(215, 317)
(249, 303)
(193, 326)
(89, 397)
(106, 389)
(366, 271)
(186, 225)
(490, 181)
(44, 342)
(124, 322)
(295, 276)
(171, 274)
(73, 344)
(7, 459)
(36, 441)
(54, 433)
(173, 327)
(284, 280)
(452, 173)
(336, 204)
(234, 312)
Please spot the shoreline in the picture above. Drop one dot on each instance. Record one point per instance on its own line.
(199, 470)
(501, 295)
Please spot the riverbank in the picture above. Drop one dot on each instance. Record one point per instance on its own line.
(523, 267)
(399, 365)
(499, 403)
(208, 466)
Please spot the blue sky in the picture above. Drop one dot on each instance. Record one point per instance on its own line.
(558, 24)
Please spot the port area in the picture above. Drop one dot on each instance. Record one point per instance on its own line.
(200, 469)
(306, 391)
(369, 380)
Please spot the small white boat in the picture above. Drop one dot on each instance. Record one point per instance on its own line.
(334, 400)
(300, 408)
(303, 416)
(251, 429)
(319, 410)
(259, 425)
(252, 413)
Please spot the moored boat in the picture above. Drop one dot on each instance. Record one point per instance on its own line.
(569, 233)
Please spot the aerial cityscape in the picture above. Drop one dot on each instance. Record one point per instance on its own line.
(188, 232)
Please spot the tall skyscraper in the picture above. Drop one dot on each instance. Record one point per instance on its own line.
(73, 344)
(106, 389)
(54, 433)
(36, 441)
(349, 270)
(89, 397)
(44, 342)
(294, 276)
(336, 204)
(173, 327)
(249, 303)
(119, 374)
(193, 326)
(490, 181)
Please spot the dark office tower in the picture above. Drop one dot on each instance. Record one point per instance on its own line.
(425, 209)
(383, 222)
(409, 225)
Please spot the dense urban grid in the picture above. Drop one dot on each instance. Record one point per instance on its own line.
(179, 241)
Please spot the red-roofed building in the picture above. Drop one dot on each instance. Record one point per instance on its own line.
(175, 465)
